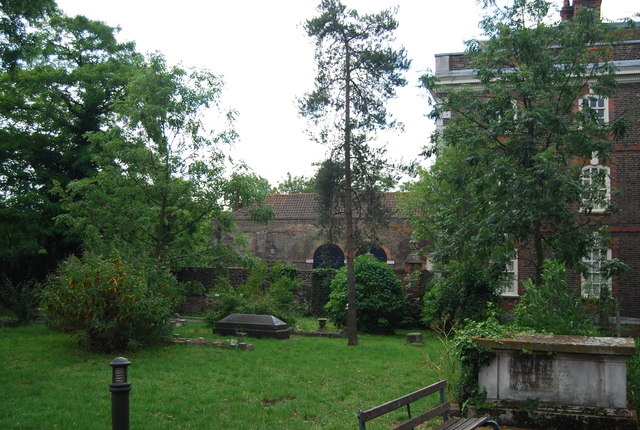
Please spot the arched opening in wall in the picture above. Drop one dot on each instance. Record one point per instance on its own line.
(328, 255)
(376, 251)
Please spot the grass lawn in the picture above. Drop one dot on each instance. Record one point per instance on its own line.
(48, 382)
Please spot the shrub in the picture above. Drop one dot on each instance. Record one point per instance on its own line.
(21, 299)
(268, 291)
(112, 303)
(552, 308)
(472, 356)
(379, 296)
(462, 294)
(320, 289)
(415, 281)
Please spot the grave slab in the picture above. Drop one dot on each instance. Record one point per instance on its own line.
(252, 325)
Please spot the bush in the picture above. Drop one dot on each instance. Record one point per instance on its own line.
(21, 299)
(415, 281)
(268, 291)
(379, 296)
(552, 308)
(462, 294)
(472, 356)
(320, 289)
(112, 303)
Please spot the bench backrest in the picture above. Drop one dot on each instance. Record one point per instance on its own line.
(442, 409)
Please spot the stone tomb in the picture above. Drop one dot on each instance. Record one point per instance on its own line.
(252, 325)
(564, 381)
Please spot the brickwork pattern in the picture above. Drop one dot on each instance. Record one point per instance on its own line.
(627, 51)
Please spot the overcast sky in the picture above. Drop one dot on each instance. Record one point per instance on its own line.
(266, 59)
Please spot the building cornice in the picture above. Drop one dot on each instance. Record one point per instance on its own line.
(628, 71)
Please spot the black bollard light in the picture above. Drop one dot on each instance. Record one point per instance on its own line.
(120, 388)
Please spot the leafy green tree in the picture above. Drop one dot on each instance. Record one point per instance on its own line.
(445, 205)
(62, 87)
(16, 18)
(358, 71)
(296, 185)
(161, 175)
(147, 210)
(509, 167)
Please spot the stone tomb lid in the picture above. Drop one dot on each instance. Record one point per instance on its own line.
(253, 325)
(252, 320)
(560, 343)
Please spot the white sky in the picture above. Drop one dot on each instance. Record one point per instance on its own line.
(266, 59)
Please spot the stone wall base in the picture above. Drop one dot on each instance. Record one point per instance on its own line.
(548, 417)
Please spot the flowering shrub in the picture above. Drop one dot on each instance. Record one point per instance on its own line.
(112, 304)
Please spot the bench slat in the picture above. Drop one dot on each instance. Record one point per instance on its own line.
(462, 423)
(401, 401)
(438, 410)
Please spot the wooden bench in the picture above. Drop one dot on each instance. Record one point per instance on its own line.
(443, 409)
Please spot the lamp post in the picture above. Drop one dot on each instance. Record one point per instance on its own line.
(120, 388)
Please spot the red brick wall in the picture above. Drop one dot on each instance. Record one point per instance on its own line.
(627, 289)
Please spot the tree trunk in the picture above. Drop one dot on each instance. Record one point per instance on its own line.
(352, 328)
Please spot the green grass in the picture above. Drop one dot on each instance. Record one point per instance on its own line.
(302, 383)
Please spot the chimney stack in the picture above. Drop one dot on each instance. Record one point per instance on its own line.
(568, 11)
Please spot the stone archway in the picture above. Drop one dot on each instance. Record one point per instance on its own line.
(376, 251)
(328, 255)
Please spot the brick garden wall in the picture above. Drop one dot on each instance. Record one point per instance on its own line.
(197, 303)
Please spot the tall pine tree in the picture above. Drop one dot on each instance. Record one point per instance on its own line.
(358, 70)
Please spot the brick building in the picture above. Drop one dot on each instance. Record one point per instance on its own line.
(623, 172)
(293, 237)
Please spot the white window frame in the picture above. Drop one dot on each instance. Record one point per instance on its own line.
(599, 104)
(605, 190)
(510, 287)
(591, 283)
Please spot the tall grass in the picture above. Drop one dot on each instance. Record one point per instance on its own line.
(302, 383)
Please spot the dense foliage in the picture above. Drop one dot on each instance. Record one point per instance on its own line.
(112, 303)
(379, 296)
(63, 85)
(462, 294)
(267, 291)
(320, 290)
(16, 20)
(296, 185)
(471, 356)
(161, 179)
(115, 156)
(19, 300)
(551, 308)
(508, 171)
